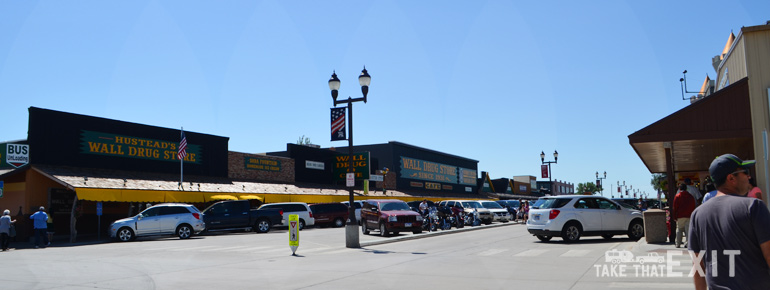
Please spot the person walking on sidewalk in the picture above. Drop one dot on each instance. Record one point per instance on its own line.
(684, 204)
(730, 235)
(40, 218)
(5, 228)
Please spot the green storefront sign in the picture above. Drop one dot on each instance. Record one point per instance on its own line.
(360, 166)
(255, 163)
(135, 147)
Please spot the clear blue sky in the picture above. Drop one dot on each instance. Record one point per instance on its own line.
(494, 81)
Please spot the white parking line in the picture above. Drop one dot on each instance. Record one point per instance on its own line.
(492, 252)
(576, 253)
(191, 249)
(531, 253)
(222, 249)
(250, 249)
(648, 285)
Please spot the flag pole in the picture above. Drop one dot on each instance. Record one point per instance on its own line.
(181, 164)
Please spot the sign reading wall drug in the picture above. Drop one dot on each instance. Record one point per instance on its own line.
(135, 147)
(360, 166)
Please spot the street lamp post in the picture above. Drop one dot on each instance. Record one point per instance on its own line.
(351, 229)
(555, 159)
(599, 180)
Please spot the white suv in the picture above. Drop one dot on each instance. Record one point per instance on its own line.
(500, 213)
(182, 220)
(573, 216)
(299, 208)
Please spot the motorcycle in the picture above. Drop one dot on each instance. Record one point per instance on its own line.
(472, 218)
(458, 220)
(430, 220)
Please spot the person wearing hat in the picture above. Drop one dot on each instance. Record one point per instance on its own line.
(40, 225)
(730, 235)
(5, 229)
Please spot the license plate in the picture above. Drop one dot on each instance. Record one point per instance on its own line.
(537, 217)
(408, 225)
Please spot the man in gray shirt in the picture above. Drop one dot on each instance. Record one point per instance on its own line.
(730, 235)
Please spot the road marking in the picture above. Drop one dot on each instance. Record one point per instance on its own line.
(648, 285)
(492, 252)
(576, 253)
(191, 248)
(531, 253)
(251, 249)
(222, 249)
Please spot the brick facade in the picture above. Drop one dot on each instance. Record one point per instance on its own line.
(255, 167)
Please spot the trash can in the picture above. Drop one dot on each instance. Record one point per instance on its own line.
(655, 230)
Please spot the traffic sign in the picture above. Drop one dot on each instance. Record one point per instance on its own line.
(99, 208)
(350, 179)
(293, 233)
(2, 187)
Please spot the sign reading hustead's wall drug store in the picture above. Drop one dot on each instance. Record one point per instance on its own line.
(108, 144)
(430, 171)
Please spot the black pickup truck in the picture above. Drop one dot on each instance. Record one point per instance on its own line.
(238, 214)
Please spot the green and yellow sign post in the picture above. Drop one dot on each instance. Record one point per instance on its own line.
(293, 233)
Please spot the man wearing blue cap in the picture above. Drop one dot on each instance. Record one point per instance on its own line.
(730, 235)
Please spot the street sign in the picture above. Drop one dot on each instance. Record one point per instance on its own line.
(99, 208)
(350, 179)
(2, 186)
(375, 177)
(293, 233)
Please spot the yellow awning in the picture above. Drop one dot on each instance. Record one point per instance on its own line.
(181, 196)
(251, 196)
(219, 197)
(98, 194)
(133, 195)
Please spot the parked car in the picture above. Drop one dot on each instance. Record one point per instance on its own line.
(299, 208)
(468, 207)
(358, 205)
(182, 220)
(389, 216)
(500, 213)
(573, 216)
(511, 205)
(334, 214)
(238, 214)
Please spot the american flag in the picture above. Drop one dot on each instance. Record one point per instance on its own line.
(338, 124)
(182, 152)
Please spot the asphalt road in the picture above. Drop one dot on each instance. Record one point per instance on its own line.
(503, 256)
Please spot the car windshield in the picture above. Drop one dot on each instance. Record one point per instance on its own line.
(394, 206)
(490, 204)
(547, 203)
(471, 204)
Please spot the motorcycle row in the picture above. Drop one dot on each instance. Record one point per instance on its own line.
(443, 218)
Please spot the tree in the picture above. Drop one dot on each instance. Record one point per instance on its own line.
(659, 182)
(303, 140)
(587, 188)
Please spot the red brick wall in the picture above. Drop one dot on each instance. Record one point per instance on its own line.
(236, 168)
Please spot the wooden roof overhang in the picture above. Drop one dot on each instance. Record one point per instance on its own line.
(717, 124)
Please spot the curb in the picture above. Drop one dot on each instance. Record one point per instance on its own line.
(432, 234)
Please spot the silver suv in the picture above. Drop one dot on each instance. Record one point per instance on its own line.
(182, 220)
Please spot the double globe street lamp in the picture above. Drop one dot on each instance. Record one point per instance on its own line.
(351, 229)
(599, 181)
(555, 159)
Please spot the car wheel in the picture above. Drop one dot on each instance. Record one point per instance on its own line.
(301, 224)
(417, 231)
(488, 222)
(543, 238)
(635, 230)
(262, 226)
(338, 222)
(571, 232)
(607, 237)
(184, 232)
(364, 229)
(383, 230)
(125, 234)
